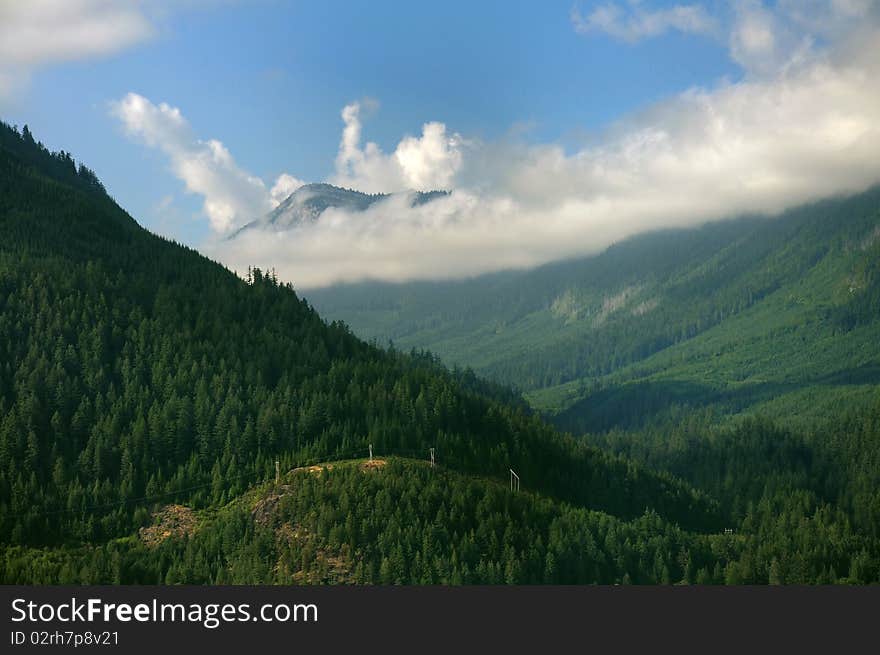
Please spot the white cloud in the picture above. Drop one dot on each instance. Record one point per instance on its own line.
(430, 162)
(802, 124)
(762, 38)
(39, 31)
(420, 163)
(825, 16)
(635, 22)
(754, 36)
(231, 195)
(284, 185)
(765, 39)
(763, 144)
(34, 33)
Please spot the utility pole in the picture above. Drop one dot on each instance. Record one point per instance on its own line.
(514, 481)
(371, 453)
(432, 458)
(277, 472)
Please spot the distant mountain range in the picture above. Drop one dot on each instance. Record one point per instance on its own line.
(772, 315)
(308, 202)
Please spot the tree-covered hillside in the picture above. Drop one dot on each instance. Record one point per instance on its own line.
(132, 368)
(732, 315)
(147, 392)
(400, 521)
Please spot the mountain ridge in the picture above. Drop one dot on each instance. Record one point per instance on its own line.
(306, 204)
(559, 330)
(133, 367)
(145, 389)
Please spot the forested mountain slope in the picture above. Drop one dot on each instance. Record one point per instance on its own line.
(132, 368)
(731, 315)
(145, 389)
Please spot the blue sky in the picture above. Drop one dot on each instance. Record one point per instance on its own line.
(270, 78)
(594, 92)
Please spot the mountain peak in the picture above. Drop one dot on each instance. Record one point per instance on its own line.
(308, 202)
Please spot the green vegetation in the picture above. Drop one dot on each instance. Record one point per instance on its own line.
(406, 523)
(132, 368)
(146, 393)
(758, 315)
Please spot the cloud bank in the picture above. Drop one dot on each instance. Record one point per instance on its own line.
(803, 123)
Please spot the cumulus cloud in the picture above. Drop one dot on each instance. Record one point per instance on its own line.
(418, 163)
(634, 21)
(231, 195)
(430, 162)
(759, 145)
(34, 33)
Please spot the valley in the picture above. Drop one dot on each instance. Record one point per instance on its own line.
(775, 314)
(147, 395)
